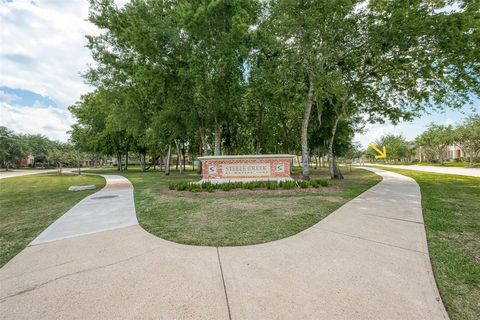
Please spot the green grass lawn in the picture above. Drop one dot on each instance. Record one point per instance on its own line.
(450, 164)
(236, 217)
(29, 204)
(435, 164)
(451, 210)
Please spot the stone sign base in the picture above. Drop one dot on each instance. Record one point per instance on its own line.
(221, 169)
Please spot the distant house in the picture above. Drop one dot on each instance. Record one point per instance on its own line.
(452, 153)
(28, 161)
(455, 152)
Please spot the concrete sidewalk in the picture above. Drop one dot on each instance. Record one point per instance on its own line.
(472, 172)
(111, 208)
(367, 260)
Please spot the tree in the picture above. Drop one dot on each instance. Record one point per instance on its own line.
(220, 37)
(437, 139)
(467, 137)
(219, 76)
(38, 145)
(396, 145)
(76, 157)
(58, 155)
(12, 148)
(388, 60)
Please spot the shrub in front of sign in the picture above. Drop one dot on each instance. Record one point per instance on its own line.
(304, 183)
(287, 185)
(252, 185)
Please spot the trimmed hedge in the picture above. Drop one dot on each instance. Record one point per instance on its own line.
(270, 185)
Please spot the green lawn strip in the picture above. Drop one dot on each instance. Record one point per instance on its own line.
(451, 210)
(450, 164)
(237, 217)
(29, 204)
(459, 164)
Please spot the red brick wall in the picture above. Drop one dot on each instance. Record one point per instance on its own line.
(217, 173)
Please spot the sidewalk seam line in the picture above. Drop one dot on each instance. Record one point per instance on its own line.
(392, 218)
(224, 286)
(374, 241)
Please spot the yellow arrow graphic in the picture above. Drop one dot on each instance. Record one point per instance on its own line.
(381, 154)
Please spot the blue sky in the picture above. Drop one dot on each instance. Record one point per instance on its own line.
(412, 129)
(42, 54)
(21, 97)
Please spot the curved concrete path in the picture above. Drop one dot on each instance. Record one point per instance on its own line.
(472, 172)
(366, 260)
(112, 207)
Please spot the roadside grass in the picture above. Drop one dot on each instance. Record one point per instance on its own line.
(459, 164)
(451, 210)
(450, 164)
(237, 217)
(29, 204)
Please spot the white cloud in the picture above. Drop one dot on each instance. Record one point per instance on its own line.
(50, 121)
(42, 50)
(43, 47)
(373, 132)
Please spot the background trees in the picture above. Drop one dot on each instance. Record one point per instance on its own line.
(436, 143)
(436, 140)
(467, 136)
(12, 148)
(398, 148)
(16, 147)
(58, 155)
(276, 76)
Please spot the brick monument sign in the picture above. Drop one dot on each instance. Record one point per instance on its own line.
(219, 169)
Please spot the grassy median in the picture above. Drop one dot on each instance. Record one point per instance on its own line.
(237, 217)
(451, 210)
(29, 204)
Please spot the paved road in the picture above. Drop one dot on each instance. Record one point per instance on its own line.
(472, 172)
(367, 260)
(23, 172)
(20, 172)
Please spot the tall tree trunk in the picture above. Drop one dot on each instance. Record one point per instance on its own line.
(126, 161)
(167, 164)
(184, 162)
(319, 118)
(203, 148)
(143, 161)
(60, 168)
(119, 162)
(179, 157)
(336, 169)
(319, 115)
(330, 150)
(218, 139)
(161, 162)
(304, 138)
(193, 161)
(154, 160)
